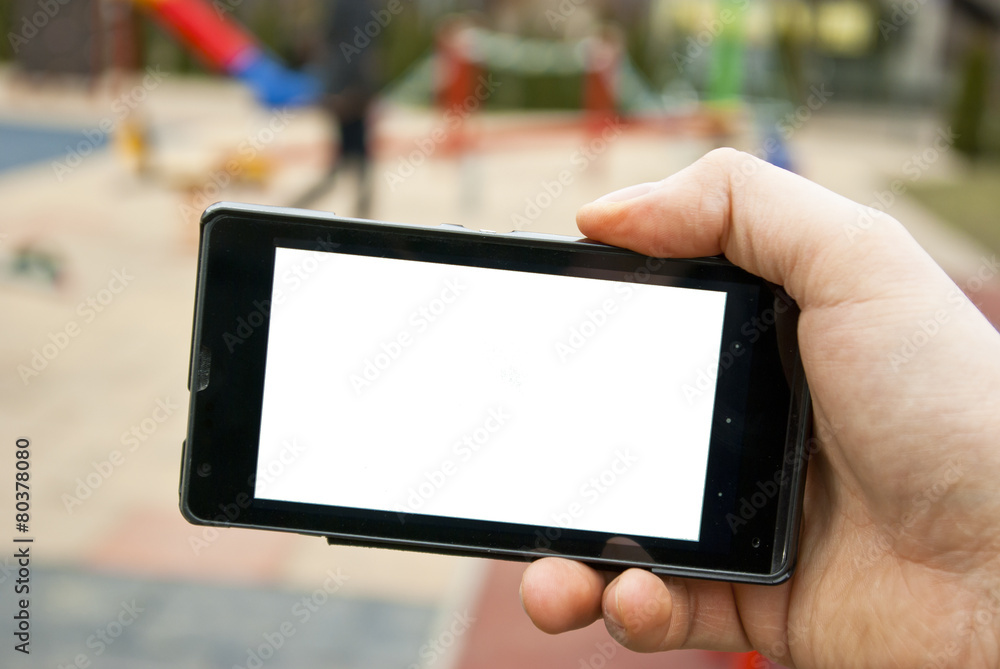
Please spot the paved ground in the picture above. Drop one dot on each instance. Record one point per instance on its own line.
(104, 508)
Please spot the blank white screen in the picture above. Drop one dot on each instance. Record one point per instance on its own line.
(488, 394)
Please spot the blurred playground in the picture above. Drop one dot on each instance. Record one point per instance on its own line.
(121, 121)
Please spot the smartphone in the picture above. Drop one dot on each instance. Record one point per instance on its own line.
(511, 396)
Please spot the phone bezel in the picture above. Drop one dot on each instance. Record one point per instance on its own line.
(234, 281)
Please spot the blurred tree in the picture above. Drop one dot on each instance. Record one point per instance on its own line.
(791, 30)
(266, 21)
(969, 113)
(163, 50)
(6, 28)
(638, 38)
(406, 39)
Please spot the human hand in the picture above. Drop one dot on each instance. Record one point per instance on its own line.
(899, 556)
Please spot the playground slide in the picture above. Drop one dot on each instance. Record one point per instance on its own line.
(226, 46)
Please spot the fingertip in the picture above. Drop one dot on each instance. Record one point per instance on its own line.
(626, 194)
(611, 609)
(593, 218)
(599, 219)
(638, 611)
(560, 595)
(679, 216)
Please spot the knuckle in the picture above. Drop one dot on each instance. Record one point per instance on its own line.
(727, 158)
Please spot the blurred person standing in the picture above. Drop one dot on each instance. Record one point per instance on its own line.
(348, 60)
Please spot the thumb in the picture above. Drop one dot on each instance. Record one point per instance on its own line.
(820, 246)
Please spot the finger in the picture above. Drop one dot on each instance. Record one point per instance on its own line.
(769, 221)
(647, 614)
(561, 595)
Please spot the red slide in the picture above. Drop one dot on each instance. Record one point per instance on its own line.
(225, 45)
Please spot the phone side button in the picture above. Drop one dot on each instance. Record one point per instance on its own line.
(180, 479)
(204, 367)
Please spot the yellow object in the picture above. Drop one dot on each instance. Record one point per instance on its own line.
(131, 143)
(845, 27)
(255, 170)
(794, 19)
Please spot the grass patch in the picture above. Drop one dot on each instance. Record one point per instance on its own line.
(971, 205)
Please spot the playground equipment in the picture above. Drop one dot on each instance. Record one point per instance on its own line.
(611, 85)
(610, 78)
(224, 45)
(455, 78)
(221, 44)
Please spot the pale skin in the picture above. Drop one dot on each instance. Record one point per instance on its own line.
(899, 558)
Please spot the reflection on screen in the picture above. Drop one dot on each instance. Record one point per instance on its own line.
(485, 394)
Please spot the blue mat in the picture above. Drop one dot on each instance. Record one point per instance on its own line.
(116, 622)
(22, 145)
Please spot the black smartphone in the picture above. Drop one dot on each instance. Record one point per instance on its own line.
(496, 395)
